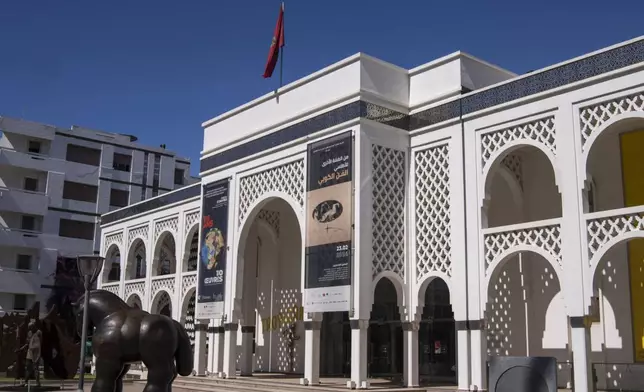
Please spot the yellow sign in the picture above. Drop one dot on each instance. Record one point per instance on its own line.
(276, 322)
(632, 145)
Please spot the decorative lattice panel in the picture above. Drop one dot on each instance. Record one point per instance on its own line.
(193, 256)
(272, 218)
(166, 284)
(192, 219)
(498, 315)
(171, 225)
(592, 117)
(111, 287)
(547, 238)
(189, 324)
(541, 131)
(188, 282)
(287, 178)
(388, 210)
(514, 163)
(141, 232)
(135, 287)
(602, 230)
(113, 239)
(433, 224)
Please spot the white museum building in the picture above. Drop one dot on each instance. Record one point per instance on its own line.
(490, 214)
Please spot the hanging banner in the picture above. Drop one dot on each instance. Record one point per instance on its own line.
(211, 276)
(329, 231)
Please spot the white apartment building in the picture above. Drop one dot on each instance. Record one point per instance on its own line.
(491, 215)
(54, 185)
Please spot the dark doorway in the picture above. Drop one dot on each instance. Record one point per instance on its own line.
(437, 335)
(385, 351)
(335, 345)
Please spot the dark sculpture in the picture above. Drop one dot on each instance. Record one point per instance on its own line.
(124, 335)
(59, 351)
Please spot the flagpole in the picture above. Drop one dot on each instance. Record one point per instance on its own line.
(282, 49)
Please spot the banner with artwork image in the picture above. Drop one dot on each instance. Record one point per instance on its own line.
(211, 275)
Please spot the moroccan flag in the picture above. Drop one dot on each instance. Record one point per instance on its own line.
(276, 44)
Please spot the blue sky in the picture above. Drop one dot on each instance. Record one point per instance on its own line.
(159, 68)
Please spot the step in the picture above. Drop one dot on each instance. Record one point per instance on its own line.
(256, 384)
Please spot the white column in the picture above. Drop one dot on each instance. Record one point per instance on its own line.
(475, 272)
(462, 356)
(569, 175)
(312, 351)
(200, 348)
(359, 343)
(246, 360)
(216, 351)
(230, 351)
(410, 358)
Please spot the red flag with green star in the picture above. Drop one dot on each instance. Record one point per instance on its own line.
(276, 45)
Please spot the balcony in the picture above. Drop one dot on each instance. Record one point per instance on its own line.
(27, 128)
(19, 281)
(24, 159)
(34, 239)
(74, 171)
(18, 200)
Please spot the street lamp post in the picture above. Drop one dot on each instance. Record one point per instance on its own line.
(89, 267)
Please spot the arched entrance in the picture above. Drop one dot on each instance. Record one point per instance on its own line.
(112, 267)
(437, 335)
(135, 301)
(385, 350)
(162, 304)
(526, 313)
(164, 260)
(270, 259)
(136, 260)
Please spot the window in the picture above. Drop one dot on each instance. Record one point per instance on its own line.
(119, 198)
(76, 229)
(178, 176)
(31, 184)
(34, 147)
(23, 262)
(122, 162)
(28, 222)
(86, 155)
(80, 192)
(115, 272)
(155, 177)
(19, 302)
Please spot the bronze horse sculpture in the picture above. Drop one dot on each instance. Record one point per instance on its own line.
(124, 335)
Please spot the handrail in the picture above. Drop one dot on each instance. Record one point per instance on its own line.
(44, 156)
(166, 276)
(21, 270)
(24, 231)
(522, 226)
(139, 280)
(22, 191)
(615, 212)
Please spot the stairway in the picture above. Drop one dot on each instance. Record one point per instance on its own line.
(263, 384)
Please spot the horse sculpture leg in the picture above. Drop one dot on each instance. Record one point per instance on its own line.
(119, 380)
(160, 377)
(107, 374)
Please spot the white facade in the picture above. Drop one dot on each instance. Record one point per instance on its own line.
(509, 198)
(54, 184)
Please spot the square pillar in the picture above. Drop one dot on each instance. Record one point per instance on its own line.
(410, 355)
(359, 329)
(246, 360)
(581, 365)
(201, 328)
(463, 355)
(230, 351)
(478, 359)
(216, 350)
(311, 353)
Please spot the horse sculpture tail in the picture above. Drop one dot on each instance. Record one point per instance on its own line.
(183, 355)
